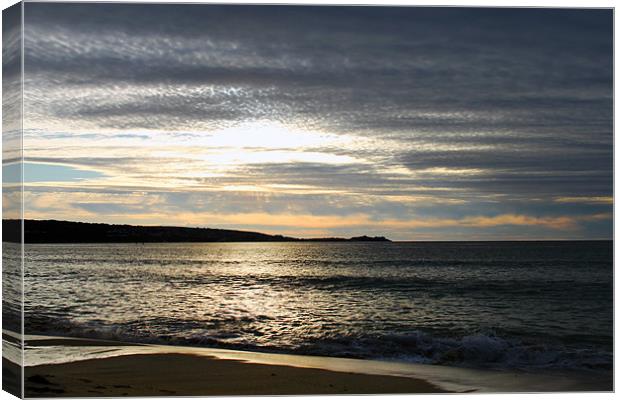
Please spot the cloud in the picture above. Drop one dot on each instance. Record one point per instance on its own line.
(561, 222)
(586, 199)
(384, 112)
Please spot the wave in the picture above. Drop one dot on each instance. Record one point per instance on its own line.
(342, 282)
(479, 349)
(482, 350)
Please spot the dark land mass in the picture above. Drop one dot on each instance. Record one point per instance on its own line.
(52, 231)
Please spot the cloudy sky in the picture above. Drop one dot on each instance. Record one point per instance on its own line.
(413, 123)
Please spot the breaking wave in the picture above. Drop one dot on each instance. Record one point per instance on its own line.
(480, 350)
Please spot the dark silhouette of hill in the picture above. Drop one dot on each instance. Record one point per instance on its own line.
(52, 231)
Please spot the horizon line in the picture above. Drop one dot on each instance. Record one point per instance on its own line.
(330, 237)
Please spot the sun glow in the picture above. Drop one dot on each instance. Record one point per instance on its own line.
(266, 142)
(270, 135)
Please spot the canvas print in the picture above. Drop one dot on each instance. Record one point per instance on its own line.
(206, 199)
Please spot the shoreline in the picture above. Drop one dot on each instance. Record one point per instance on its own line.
(105, 368)
(75, 367)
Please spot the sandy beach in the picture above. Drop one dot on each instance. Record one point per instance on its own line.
(186, 375)
(106, 368)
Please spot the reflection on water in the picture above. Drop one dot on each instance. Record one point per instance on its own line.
(498, 305)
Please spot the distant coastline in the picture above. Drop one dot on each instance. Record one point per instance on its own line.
(54, 231)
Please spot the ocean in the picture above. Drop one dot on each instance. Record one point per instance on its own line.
(495, 305)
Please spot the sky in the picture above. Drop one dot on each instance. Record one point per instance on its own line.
(411, 123)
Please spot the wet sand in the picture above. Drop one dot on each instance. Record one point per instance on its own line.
(186, 375)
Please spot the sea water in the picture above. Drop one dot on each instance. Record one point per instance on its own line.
(495, 305)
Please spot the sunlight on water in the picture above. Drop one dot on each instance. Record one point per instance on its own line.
(537, 305)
